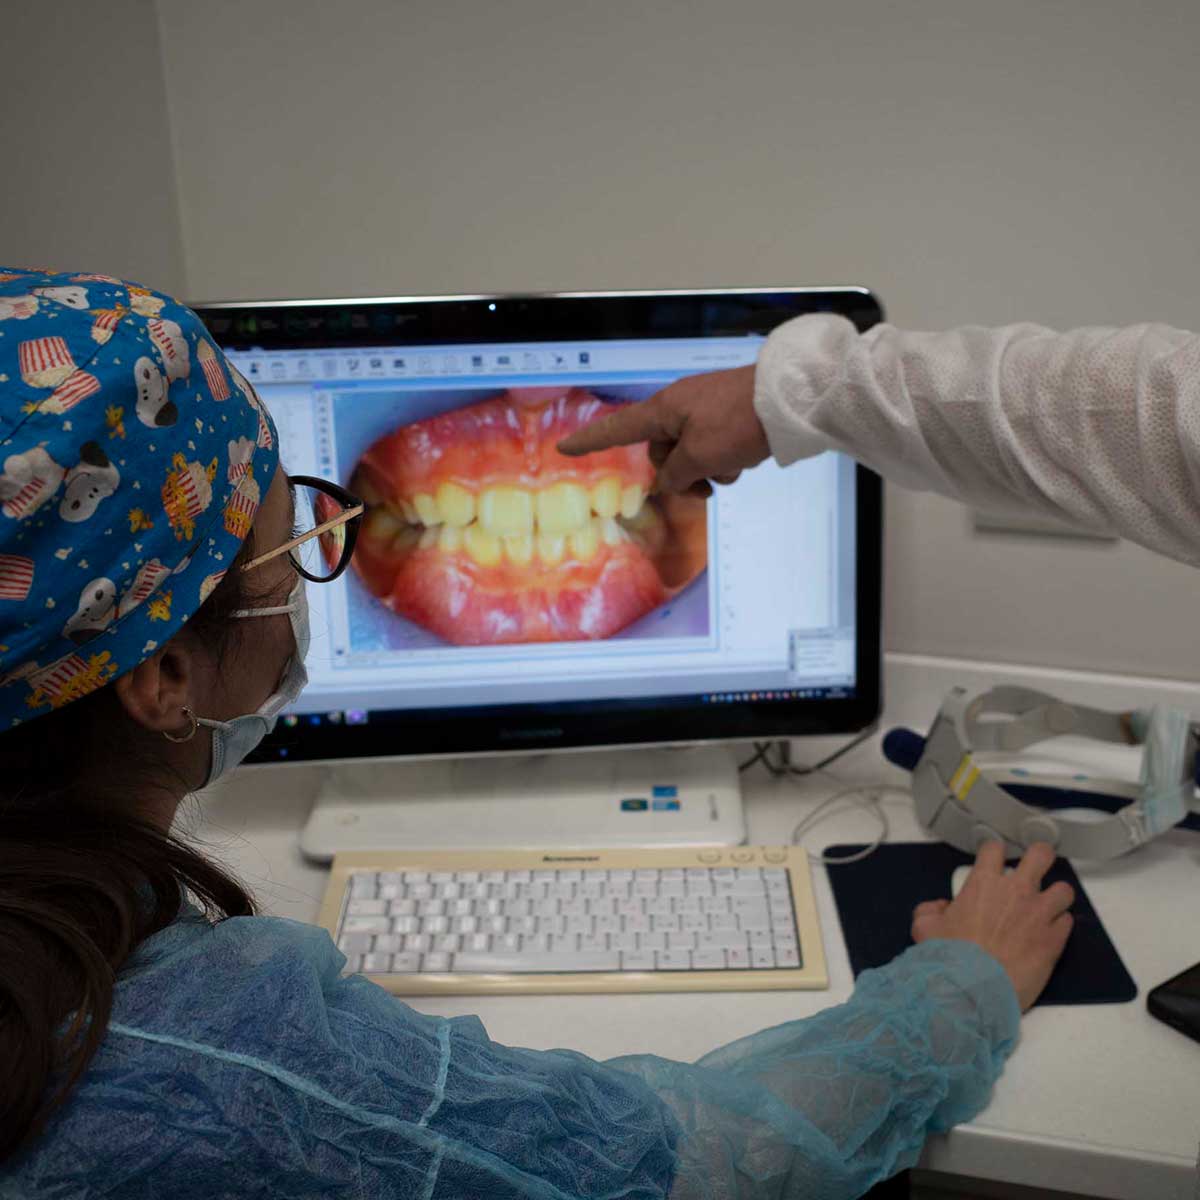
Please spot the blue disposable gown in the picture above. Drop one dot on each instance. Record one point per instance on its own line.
(240, 1063)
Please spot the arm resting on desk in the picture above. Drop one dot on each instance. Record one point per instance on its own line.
(828, 1106)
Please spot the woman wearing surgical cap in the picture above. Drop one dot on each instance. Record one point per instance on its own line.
(158, 1038)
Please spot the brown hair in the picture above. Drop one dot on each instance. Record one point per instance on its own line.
(84, 879)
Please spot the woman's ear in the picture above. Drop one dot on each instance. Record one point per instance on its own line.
(155, 692)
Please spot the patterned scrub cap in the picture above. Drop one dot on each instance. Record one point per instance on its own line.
(133, 461)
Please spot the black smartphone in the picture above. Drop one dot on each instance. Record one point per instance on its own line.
(1178, 1002)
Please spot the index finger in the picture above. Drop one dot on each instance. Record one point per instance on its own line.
(628, 425)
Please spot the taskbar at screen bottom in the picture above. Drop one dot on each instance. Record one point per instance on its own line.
(709, 716)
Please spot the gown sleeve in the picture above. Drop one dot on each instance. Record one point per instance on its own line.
(1098, 427)
(240, 1061)
(825, 1107)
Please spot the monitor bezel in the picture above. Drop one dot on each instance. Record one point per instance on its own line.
(574, 316)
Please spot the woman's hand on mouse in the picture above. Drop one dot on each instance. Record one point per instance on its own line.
(699, 428)
(1008, 914)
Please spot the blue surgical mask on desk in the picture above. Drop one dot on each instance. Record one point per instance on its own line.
(232, 740)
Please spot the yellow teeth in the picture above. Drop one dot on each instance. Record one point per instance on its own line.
(611, 532)
(381, 524)
(482, 546)
(632, 499)
(585, 542)
(519, 550)
(489, 550)
(606, 497)
(562, 508)
(427, 509)
(506, 511)
(455, 505)
(551, 548)
(520, 518)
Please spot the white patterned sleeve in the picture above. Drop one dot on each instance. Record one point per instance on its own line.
(1098, 427)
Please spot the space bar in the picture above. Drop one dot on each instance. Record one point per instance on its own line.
(524, 964)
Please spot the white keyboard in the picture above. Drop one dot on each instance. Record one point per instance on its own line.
(542, 921)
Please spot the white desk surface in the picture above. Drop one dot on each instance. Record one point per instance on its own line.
(1102, 1100)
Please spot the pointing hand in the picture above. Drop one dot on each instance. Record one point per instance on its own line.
(700, 428)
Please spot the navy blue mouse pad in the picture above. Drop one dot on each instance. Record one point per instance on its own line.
(875, 899)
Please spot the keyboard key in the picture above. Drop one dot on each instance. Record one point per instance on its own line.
(435, 962)
(708, 960)
(787, 958)
(376, 964)
(737, 958)
(762, 957)
(366, 908)
(673, 960)
(721, 939)
(404, 925)
(523, 963)
(354, 943)
(388, 943)
(367, 925)
(406, 963)
(637, 960)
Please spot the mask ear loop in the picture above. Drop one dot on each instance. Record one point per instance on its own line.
(191, 733)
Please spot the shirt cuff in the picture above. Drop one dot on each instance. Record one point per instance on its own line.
(800, 364)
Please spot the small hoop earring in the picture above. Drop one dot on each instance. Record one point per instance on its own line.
(191, 733)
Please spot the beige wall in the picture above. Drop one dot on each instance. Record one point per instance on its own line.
(85, 145)
(972, 162)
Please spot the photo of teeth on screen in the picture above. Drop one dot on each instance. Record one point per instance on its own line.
(478, 532)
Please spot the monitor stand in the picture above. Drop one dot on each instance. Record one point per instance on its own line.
(605, 798)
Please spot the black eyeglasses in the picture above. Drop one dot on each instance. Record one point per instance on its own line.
(326, 528)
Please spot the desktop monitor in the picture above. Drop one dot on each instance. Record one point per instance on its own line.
(504, 600)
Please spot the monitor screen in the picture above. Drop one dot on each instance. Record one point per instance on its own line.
(503, 597)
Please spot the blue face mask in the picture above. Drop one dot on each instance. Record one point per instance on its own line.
(232, 740)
